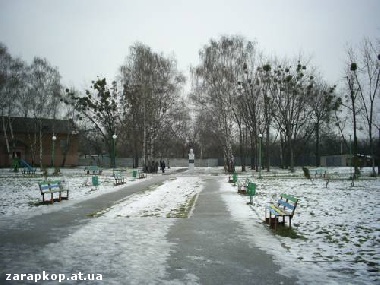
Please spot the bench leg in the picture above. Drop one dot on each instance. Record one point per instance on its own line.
(275, 223)
(51, 198)
(270, 220)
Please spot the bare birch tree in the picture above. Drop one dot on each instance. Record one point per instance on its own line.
(151, 87)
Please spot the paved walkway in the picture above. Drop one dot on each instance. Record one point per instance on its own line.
(213, 249)
(21, 240)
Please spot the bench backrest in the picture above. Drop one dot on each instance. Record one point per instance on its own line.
(92, 167)
(288, 202)
(118, 172)
(46, 186)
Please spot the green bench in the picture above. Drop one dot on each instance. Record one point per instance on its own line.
(119, 178)
(284, 207)
(51, 188)
(138, 174)
(233, 178)
(93, 169)
(318, 172)
(243, 184)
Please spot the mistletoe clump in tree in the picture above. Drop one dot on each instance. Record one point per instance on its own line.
(100, 106)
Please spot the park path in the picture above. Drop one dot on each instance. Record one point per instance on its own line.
(211, 248)
(23, 238)
(207, 248)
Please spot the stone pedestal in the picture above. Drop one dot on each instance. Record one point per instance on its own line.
(191, 160)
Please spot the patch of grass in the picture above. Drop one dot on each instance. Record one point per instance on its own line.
(149, 215)
(97, 214)
(345, 239)
(321, 232)
(35, 203)
(184, 210)
(288, 232)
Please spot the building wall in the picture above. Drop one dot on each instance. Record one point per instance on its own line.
(26, 149)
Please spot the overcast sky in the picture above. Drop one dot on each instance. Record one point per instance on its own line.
(90, 38)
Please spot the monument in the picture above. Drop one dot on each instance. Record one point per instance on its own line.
(191, 160)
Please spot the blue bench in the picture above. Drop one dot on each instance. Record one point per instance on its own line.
(284, 207)
(51, 188)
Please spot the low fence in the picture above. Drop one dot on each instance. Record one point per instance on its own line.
(128, 162)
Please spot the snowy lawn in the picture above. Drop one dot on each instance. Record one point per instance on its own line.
(173, 199)
(128, 240)
(338, 225)
(20, 193)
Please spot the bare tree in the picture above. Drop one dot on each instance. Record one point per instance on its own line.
(352, 104)
(215, 87)
(12, 88)
(44, 88)
(322, 102)
(292, 91)
(151, 87)
(368, 80)
(7, 102)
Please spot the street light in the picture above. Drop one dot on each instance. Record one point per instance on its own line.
(54, 138)
(260, 140)
(114, 150)
(352, 172)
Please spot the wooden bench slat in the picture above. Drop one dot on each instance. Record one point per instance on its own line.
(289, 197)
(119, 178)
(51, 187)
(278, 212)
(93, 169)
(285, 207)
(286, 204)
(44, 187)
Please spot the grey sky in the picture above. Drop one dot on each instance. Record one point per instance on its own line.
(90, 38)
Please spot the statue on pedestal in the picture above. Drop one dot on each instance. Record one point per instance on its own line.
(191, 160)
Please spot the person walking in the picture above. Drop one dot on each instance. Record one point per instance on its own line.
(162, 166)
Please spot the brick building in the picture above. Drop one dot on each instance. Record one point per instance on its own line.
(32, 141)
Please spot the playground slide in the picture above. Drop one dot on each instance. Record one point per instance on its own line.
(25, 164)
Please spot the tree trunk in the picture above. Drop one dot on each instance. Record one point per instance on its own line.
(317, 155)
(267, 159)
(242, 154)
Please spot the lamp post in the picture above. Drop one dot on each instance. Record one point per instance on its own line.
(352, 174)
(114, 150)
(260, 141)
(54, 138)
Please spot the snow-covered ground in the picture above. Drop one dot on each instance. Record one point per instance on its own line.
(339, 224)
(20, 193)
(339, 227)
